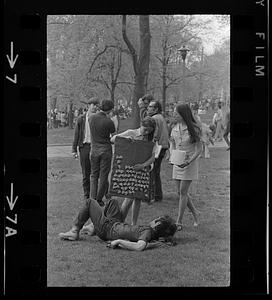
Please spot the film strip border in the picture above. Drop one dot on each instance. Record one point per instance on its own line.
(25, 150)
(24, 154)
(249, 133)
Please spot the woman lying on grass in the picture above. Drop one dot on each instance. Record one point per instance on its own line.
(109, 225)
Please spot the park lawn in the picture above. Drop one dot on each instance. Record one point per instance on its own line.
(200, 258)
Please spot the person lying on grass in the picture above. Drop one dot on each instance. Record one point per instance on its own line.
(109, 225)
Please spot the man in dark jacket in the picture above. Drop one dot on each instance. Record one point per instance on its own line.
(101, 127)
(82, 143)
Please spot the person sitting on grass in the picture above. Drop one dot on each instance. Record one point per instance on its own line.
(109, 225)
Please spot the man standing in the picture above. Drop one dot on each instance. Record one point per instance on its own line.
(161, 136)
(217, 121)
(101, 127)
(143, 105)
(82, 141)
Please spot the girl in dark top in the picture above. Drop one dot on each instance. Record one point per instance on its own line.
(108, 225)
(144, 133)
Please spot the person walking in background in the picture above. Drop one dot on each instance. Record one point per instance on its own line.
(161, 137)
(62, 119)
(218, 121)
(227, 129)
(82, 144)
(186, 136)
(101, 127)
(207, 139)
(144, 133)
(195, 109)
(143, 105)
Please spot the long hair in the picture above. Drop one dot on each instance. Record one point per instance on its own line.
(194, 130)
(151, 123)
(166, 228)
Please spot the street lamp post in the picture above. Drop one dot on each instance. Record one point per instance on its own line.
(183, 51)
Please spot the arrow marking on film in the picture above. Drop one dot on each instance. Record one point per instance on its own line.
(10, 200)
(10, 59)
(13, 80)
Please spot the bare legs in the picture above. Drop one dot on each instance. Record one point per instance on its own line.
(193, 210)
(185, 200)
(136, 205)
(125, 207)
(135, 211)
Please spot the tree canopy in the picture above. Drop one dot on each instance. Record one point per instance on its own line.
(92, 55)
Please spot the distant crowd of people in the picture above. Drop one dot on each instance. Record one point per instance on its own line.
(95, 133)
(58, 119)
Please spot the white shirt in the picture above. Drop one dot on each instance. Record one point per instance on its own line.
(87, 138)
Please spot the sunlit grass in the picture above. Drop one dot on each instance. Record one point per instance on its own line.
(201, 257)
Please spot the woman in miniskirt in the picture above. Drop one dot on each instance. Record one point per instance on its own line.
(186, 136)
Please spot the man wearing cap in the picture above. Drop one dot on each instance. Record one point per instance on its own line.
(101, 127)
(82, 144)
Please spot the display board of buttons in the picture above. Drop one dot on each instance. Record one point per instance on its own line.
(125, 181)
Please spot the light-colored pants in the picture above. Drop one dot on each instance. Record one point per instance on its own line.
(219, 131)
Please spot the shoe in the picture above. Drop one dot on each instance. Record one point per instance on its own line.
(88, 229)
(158, 199)
(155, 200)
(179, 226)
(71, 235)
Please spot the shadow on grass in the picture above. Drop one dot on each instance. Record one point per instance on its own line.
(185, 240)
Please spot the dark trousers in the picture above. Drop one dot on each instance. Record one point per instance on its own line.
(99, 216)
(101, 165)
(156, 177)
(84, 155)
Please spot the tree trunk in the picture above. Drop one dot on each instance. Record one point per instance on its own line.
(140, 65)
(164, 87)
(200, 77)
(112, 94)
(70, 116)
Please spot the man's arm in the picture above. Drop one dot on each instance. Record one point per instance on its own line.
(134, 246)
(111, 127)
(156, 132)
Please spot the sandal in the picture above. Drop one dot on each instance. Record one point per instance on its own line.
(179, 226)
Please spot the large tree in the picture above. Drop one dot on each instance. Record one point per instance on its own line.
(140, 62)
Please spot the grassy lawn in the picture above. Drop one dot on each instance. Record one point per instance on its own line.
(201, 257)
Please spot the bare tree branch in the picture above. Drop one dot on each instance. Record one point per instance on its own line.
(125, 82)
(119, 65)
(96, 57)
